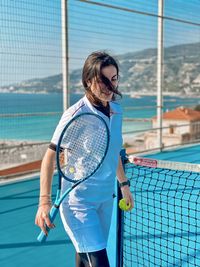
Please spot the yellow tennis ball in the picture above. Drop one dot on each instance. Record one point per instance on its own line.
(71, 170)
(123, 205)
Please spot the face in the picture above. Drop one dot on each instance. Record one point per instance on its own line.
(99, 89)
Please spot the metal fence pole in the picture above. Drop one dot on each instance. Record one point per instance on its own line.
(65, 57)
(160, 73)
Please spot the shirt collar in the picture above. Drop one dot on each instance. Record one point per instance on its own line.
(96, 111)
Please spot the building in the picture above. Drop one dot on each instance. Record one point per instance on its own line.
(180, 126)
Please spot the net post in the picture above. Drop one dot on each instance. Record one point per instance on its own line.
(119, 234)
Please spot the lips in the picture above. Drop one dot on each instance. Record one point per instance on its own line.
(108, 93)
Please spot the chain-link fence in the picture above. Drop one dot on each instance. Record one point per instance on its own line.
(31, 83)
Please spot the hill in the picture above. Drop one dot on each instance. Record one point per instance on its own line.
(137, 73)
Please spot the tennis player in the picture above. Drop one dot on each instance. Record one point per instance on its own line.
(86, 212)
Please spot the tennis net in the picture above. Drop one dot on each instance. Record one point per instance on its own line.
(163, 229)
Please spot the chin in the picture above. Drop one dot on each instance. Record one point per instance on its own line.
(110, 98)
(106, 98)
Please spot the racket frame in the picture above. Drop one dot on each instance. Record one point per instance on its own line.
(55, 208)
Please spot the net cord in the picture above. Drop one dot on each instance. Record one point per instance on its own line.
(163, 164)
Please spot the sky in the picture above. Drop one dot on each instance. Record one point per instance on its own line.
(31, 32)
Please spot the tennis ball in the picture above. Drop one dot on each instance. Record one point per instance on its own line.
(123, 205)
(71, 170)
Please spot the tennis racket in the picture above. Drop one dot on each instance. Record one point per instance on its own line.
(81, 149)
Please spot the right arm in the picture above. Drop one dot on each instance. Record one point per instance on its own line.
(46, 175)
(47, 169)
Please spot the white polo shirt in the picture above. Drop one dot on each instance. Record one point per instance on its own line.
(100, 186)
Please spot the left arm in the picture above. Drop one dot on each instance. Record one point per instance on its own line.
(126, 193)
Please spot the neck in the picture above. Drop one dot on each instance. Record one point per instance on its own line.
(104, 103)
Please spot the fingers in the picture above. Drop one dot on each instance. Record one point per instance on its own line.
(44, 229)
(129, 199)
(47, 221)
(43, 221)
(129, 202)
(132, 203)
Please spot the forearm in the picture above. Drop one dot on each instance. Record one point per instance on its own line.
(124, 185)
(47, 169)
(46, 174)
(120, 172)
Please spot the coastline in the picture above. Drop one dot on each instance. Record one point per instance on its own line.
(17, 152)
(135, 94)
(22, 121)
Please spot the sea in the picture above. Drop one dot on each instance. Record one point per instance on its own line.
(33, 117)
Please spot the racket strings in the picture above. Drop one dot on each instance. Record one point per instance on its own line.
(84, 144)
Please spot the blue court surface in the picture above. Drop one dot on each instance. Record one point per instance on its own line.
(18, 233)
(18, 202)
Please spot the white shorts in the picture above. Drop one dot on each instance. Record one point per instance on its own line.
(87, 224)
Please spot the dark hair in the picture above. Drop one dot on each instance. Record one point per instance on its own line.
(92, 68)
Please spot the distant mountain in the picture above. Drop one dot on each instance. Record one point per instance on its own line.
(181, 70)
(49, 84)
(138, 72)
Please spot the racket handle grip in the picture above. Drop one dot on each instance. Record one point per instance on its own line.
(53, 212)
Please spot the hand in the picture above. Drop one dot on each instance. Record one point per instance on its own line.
(126, 193)
(42, 218)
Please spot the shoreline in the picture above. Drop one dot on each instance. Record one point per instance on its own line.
(134, 94)
(17, 152)
(14, 153)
